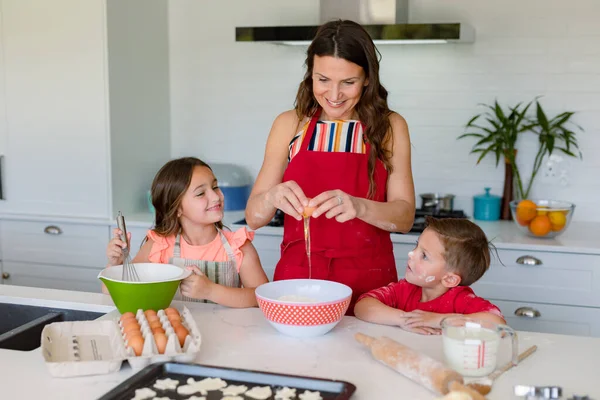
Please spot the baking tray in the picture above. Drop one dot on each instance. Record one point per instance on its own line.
(330, 389)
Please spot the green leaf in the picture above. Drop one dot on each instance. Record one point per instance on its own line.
(464, 135)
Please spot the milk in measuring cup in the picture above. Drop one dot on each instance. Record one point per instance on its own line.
(471, 351)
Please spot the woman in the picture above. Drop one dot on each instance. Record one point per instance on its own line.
(343, 151)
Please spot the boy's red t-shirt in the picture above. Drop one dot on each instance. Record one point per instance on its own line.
(405, 296)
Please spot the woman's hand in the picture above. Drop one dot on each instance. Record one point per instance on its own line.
(197, 285)
(336, 204)
(114, 250)
(289, 198)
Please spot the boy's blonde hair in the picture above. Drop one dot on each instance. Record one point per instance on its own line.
(467, 250)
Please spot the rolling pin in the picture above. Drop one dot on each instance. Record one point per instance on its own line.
(418, 367)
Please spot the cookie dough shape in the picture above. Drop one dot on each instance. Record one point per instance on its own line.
(233, 390)
(203, 386)
(143, 394)
(259, 392)
(285, 393)
(308, 395)
(166, 384)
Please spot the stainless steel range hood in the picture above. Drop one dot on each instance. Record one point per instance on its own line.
(385, 20)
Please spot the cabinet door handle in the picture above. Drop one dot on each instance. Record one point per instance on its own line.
(529, 260)
(5, 275)
(52, 230)
(527, 312)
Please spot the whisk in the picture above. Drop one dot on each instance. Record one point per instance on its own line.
(129, 273)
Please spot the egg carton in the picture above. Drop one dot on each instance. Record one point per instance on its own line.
(173, 349)
(81, 348)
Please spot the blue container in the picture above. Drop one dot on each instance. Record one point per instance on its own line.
(486, 207)
(235, 183)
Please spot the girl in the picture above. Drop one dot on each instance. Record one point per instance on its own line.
(189, 233)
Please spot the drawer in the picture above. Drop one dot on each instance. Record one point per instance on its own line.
(54, 243)
(550, 318)
(52, 276)
(558, 278)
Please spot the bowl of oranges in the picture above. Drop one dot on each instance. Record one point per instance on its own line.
(542, 218)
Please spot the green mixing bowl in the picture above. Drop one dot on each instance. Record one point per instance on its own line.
(155, 290)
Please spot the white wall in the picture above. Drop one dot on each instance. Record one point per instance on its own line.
(225, 95)
(138, 61)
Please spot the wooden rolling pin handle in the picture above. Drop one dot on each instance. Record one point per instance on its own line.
(456, 386)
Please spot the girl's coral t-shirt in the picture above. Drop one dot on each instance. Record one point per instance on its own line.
(163, 247)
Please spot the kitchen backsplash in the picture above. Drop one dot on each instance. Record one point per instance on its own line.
(225, 95)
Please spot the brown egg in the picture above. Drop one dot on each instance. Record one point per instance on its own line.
(151, 318)
(174, 318)
(158, 329)
(161, 342)
(136, 343)
(127, 315)
(171, 311)
(131, 334)
(175, 323)
(131, 326)
(154, 324)
(181, 333)
(149, 313)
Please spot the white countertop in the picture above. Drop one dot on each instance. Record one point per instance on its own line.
(580, 237)
(244, 339)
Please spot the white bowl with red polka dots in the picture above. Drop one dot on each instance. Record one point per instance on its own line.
(303, 307)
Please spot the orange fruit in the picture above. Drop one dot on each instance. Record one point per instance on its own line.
(558, 220)
(540, 225)
(542, 210)
(526, 211)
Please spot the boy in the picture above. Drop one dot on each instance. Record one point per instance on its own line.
(451, 254)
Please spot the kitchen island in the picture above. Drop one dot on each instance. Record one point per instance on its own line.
(244, 339)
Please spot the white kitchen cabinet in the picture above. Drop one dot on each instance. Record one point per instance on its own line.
(268, 248)
(86, 95)
(53, 254)
(62, 277)
(401, 256)
(543, 277)
(551, 318)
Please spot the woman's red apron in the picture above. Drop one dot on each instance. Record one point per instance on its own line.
(354, 253)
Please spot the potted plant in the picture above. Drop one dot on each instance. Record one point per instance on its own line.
(499, 133)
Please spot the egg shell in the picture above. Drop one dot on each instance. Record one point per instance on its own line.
(171, 311)
(181, 332)
(161, 342)
(131, 328)
(126, 316)
(157, 329)
(149, 313)
(136, 343)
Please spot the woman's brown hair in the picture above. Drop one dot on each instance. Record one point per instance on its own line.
(467, 250)
(168, 188)
(351, 42)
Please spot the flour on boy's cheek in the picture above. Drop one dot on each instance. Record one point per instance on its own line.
(430, 278)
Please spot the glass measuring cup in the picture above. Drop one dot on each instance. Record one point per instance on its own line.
(471, 345)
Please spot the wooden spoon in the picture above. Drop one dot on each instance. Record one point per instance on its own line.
(484, 385)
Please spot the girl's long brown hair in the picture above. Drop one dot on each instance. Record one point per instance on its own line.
(168, 188)
(350, 41)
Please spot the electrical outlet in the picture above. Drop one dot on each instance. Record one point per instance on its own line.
(555, 171)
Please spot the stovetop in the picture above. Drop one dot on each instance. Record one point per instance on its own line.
(417, 227)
